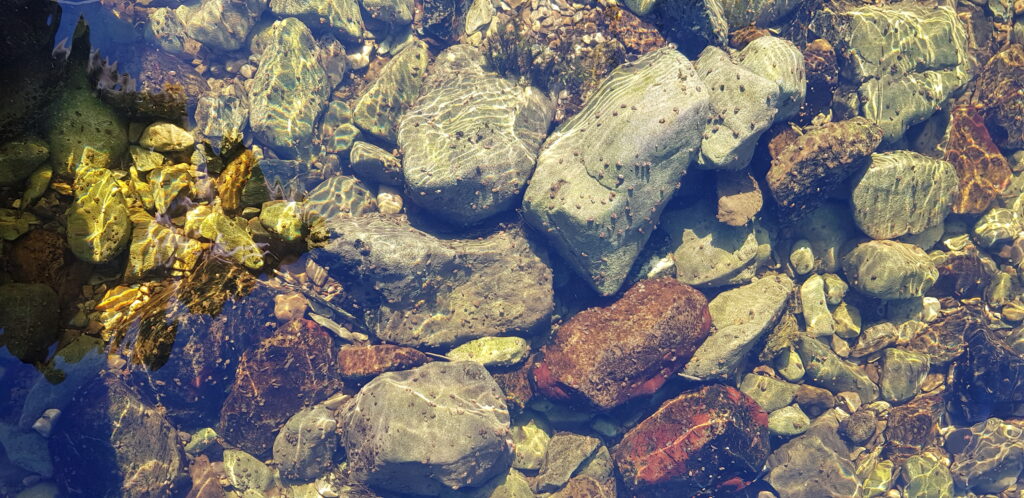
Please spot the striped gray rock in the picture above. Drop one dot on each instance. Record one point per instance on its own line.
(605, 174)
(288, 90)
(342, 15)
(471, 140)
(902, 192)
(778, 60)
(887, 269)
(379, 107)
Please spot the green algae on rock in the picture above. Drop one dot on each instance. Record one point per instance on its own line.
(29, 315)
(77, 120)
(492, 351)
(382, 103)
(283, 218)
(889, 270)
(19, 158)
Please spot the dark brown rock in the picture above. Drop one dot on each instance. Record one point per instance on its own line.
(28, 320)
(713, 440)
(607, 356)
(739, 197)
(912, 427)
(293, 368)
(516, 386)
(860, 426)
(962, 274)
(943, 339)
(814, 400)
(1000, 88)
(989, 378)
(805, 172)
(822, 79)
(980, 166)
(205, 479)
(587, 487)
(42, 257)
(361, 362)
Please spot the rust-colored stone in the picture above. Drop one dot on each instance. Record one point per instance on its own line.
(982, 169)
(233, 179)
(742, 37)
(713, 440)
(961, 274)
(361, 362)
(943, 339)
(292, 369)
(912, 428)
(739, 197)
(516, 386)
(607, 356)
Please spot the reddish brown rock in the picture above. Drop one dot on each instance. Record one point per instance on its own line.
(711, 441)
(42, 257)
(282, 374)
(822, 79)
(361, 362)
(1000, 88)
(516, 386)
(980, 166)
(739, 197)
(943, 339)
(912, 428)
(607, 356)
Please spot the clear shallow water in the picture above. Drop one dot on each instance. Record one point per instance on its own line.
(408, 248)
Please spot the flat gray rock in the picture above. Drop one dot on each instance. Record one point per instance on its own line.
(379, 107)
(902, 192)
(778, 60)
(709, 253)
(888, 269)
(441, 425)
(471, 141)
(605, 174)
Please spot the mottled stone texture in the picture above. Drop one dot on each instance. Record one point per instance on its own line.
(993, 457)
(888, 269)
(902, 192)
(980, 166)
(816, 163)
(265, 395)
(288, 90)
(371, 360)
(593, 358)
(222, 25)
(905, 59)
(441, 425)
(98, 227)
(304, 449)
(782, 63)
(342, 15)
(471, 141)
(379, 107)
(429, 291)
(29, 320)
(605, 174)
(999, 88)
(713, 440)
(988, 379)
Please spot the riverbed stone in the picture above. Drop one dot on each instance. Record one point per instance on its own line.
(29, 315)
(902, 192)
(598, 191)
(566, 452)
(398, 12)
(19, 158)
(441, 425)
(378, 109)
(531, 436)
(815, 464)
(889, 270)
(992, 459)
(162, 136)
(999, 90)
(788, 421)
(926, 475)
(304, 449)
(222, 25)
(739, 197)
(815, 308)
(337, 133)
(79, 121)
(342, 15)
(827, 370)
(375, 165)
(492, 351)
(902, 374)
(772, 394)
(245, 472)
(709, 253)
(470, 142)
(222, 112)
(98, 223)
(289, 89)
(778, 60)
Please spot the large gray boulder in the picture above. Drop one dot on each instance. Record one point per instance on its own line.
(781, 62)
(605, 174)
(431, 291)
(304, 449)
(471, 140)
(435, 427)
(289, 89)
(902, 192)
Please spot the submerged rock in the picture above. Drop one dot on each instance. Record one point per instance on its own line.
(902, 192)
(711, 440)
(337, 133)
(429, 291)
(590, 358)
(19, 158)
(814, 465)
(739, 197)
(29, 320)
(222, 25)
(379, 107)
(980, 166)
(999, 90)
(710, 253)
(604, 175)
(987, 379)
(566, 453)
(826, 369)
(471, 140)
(304, 449)
(928, 476)
(342, 15)
(79, 121)
(889, 270)
(992, 459)
(358, 362)
(441, 425)
(336, 197)
(223, 112)
(375, 165)
(98, 224)
(902, 374)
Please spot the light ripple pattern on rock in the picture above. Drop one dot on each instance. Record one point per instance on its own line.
(99, 227)
(379, 107)
(902, 192)
(342, 15)
(710, 253)
(778, 60)
(222, 24)
(304, 449)
(605, 174)
(888, 269)
(471, 140)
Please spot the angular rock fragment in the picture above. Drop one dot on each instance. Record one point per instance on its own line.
(604, 175)
(379, 107)
(566, 453)
(29, 320)
(987, 379)
(362, 361)
(739, 197)
(591, 359)
(889, 270)
(902, 192)
(223, 112)
(980, 166)
(222, 24)
(912, 427)
(814, 465)
(98, 224)
(304, 449)
(375, 165)
(902, 374)
(337, 133)
(826, 369)
(342, 15)
(999, 90)
(927, 475)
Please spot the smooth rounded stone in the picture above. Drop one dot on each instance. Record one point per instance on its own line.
(982, 169)
(479, 15)
(132, 449)
(304, 449)
(463, 162)
(337, 132)
(926, 239)
(827, 370)
(44, 424)
(162, 136)
(771, 394)
(667, 321)
(788, 421)
(876, 337)
(835, 289)
(222, 25)
(19, 158)
(222, 112)
(245, 473)
(801, 257)
(511, 485)
(992, 459)
(389, 200)
(998, 225)
(847, 320)
(902, 192)
(598, 191)
(743, 106)
(375, 165)
(702, 439)
(925, 309)
(288, 90)
(78, 121)
(898, 92)
(818, 161)
(530, 437)
(902, 374)
(26, 449)
(999, 85)
(790, 366)
(390, 11)
(166, 29)
(814, 400)
(29, 316)
(362, 361)
(710, 253)
(778, 60)
(815, 309)
(336, 197)
(927, 476)
(492, 351)
(341, 15)
(740, 317)
(469, 288)
(200, 440)
(382, 103)
(283, 218)
(739, 197)
(566, 453)
(145, 160)
(441, 425)
(889, 270)
(98, 224)
(860, 426)
(827, 228)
